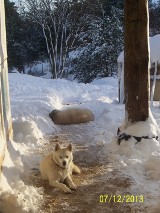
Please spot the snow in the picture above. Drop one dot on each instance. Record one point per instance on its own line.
(16, 197)
(33, 98)
(76, 53)
(48, 75)
(154, 50)
(121, 57)
(38, 68)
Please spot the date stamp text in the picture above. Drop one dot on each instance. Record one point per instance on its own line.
(121, 198)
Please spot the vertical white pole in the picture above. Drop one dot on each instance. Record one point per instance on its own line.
(154, 83)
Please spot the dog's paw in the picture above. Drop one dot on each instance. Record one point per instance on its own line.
(73, 187)
(67, 190)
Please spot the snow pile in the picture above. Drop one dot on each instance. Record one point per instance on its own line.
(152, 165)
(26, 131)
(28, 137)
(139, 159)
(138, 149)
(16, 197)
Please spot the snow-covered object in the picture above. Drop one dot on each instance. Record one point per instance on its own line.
(155, 49)
(154, 59)
(121, 57)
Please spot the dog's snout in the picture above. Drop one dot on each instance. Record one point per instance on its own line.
(64, 163)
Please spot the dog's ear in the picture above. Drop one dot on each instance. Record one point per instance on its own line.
(69, 147)
(57, 147)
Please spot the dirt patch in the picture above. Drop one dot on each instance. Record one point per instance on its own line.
(98, 178)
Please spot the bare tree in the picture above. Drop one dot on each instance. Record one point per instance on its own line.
(136, 64)
(56, 20)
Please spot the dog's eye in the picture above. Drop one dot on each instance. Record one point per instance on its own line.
(67, 156)
(60, 157)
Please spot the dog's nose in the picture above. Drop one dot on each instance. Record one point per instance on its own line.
(64, 163)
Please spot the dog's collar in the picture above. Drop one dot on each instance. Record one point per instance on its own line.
(58, 164)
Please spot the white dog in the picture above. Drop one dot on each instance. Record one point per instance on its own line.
(58, 167)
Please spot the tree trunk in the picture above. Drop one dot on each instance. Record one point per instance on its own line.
(48, 50)
(54, 53)
(136, 61)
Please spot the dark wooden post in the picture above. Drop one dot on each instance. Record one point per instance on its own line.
(136, 61)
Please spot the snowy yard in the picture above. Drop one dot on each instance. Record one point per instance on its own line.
(107, 168)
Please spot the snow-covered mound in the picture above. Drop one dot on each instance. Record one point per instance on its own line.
(152, 164)
(26, 131)
(16, 196)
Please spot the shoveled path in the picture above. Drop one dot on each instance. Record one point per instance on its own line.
(98, 177)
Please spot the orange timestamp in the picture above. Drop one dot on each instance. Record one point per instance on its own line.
(121, 198)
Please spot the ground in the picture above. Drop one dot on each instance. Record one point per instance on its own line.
(98, 177)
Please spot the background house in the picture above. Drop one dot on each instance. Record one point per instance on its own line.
(154, 70)
(5, 112)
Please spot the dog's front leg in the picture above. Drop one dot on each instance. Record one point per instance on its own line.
(69, 182)
(58, 185)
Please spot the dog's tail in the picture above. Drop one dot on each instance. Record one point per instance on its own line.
(76, 169)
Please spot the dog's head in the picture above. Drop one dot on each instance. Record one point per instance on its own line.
(63, 156)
